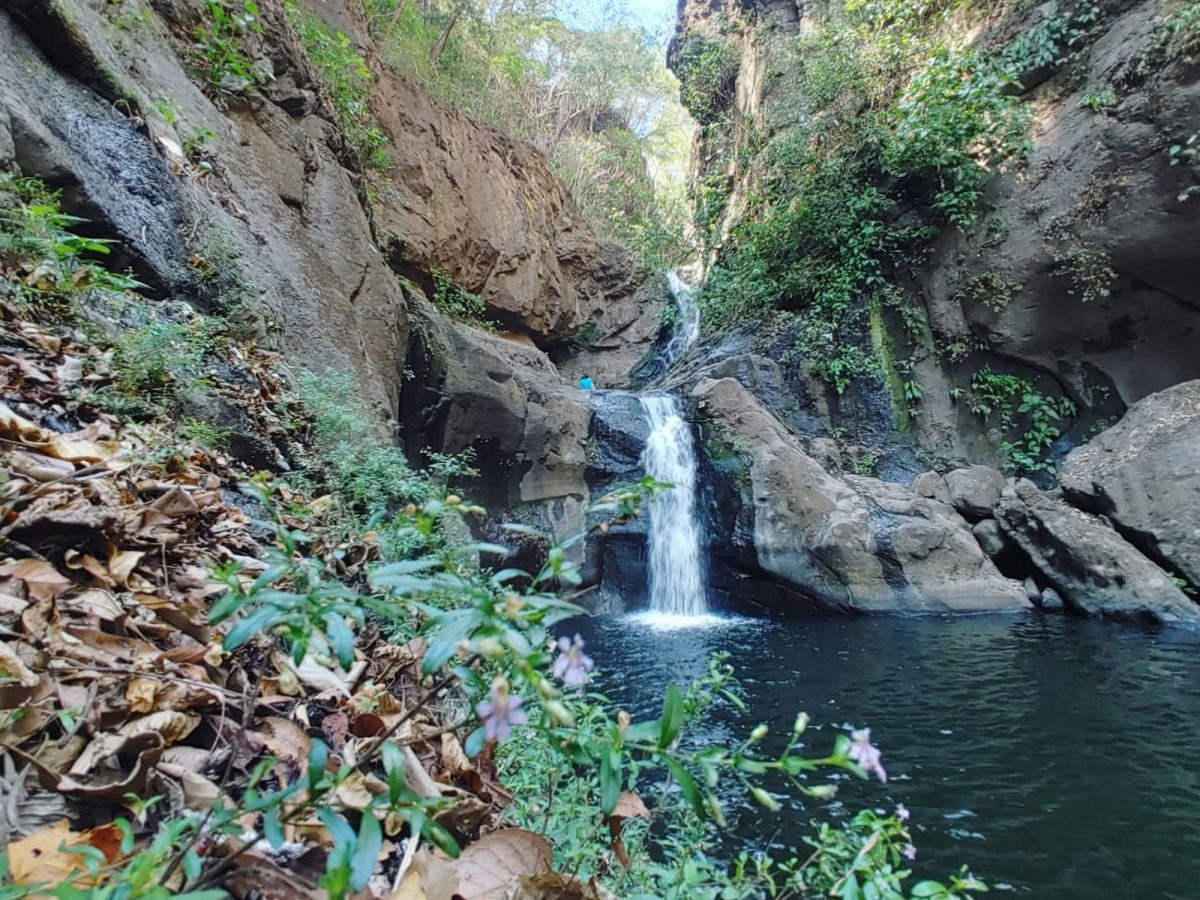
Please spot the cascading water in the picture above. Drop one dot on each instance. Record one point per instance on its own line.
(687, 329)
(676, 571)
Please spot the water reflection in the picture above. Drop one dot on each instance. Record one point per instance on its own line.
(1055, 756)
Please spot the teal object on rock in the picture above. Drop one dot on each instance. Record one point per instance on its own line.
(587, 384)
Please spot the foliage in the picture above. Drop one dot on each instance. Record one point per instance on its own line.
(706, 68)
(42, 260)
(1056, 37)
(900, 117)
(1178, 34)
(989, 289)
(1008, 397)
(220, 52)
(454, 300)
(597, 101)
(1088, 269)
(348, 79)
(951, 125)
(1100, 101)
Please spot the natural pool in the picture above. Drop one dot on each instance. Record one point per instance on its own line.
(1060, 758)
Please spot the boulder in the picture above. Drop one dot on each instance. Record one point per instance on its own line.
(1092, 568)
(991, 539)
(851, 543)
(933, 486)
(1144, 474)
(503, 398)
(973, 491)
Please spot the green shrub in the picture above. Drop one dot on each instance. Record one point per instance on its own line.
(348, 79)
(706, 68)
(455, 301)
(1014, 402)
(220, 52)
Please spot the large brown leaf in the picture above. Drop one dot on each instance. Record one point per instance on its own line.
(487, 867)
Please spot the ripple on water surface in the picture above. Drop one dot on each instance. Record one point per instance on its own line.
(1057, 757)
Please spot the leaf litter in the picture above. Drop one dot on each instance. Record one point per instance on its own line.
(114, 688)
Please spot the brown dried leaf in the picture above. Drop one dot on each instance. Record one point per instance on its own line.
(453, 757)
(13, 667)
(556, 886)
(42, 580)
(37, 467)
(487, 867)
(38, 858)
(12, 423)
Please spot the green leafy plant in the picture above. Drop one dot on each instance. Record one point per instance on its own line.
(220, 52)
(43, 260)
(1007, 397)
(706, 68)
(1100, 101)
(346, 75)
(455, 301)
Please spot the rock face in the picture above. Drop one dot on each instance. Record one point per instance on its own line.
(1144, 474)
(1092, 568)
(503, 398)
(1082, 266)
(488, 211)
(973, 491)
(851, 543)
(281, 211)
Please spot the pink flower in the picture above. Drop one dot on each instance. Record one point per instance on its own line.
(909, 851)
(866, 754)
(572, 666)
(500, 712)
(902, 812)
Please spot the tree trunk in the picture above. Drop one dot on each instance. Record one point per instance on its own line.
(440, 46)
(400, 7)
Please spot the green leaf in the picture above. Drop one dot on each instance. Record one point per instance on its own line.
(366, 853)
(687, 784)
(529, 531)
(928, 889)
(393, 767)
(273, 828)
(318, 755)
(672, 717)
(341, 638)
(610, 779)
(475, 741)
(483, 547)
(246, 628)
(850, 889)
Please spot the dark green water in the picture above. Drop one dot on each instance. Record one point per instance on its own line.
(1058, 758)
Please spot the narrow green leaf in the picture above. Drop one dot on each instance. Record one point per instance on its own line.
(366, 853)
(687, 784)
(672, 717)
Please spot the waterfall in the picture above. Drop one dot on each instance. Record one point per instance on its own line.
(676, 572)
(687, 329)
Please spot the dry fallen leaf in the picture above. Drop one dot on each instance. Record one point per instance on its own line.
(45, 855)
(13, 667)
(487, 867)
(42, 580)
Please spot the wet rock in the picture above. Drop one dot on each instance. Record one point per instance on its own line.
(973, 491)
(1032, 591)
(1144, 474)
(1051, 600)
(1094, 569)
(931, 485)
(991, 539)
(852, 543)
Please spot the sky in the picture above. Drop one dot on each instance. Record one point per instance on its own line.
(655, 15)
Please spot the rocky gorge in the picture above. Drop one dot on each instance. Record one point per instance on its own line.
(352, 351)
(820, 494)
